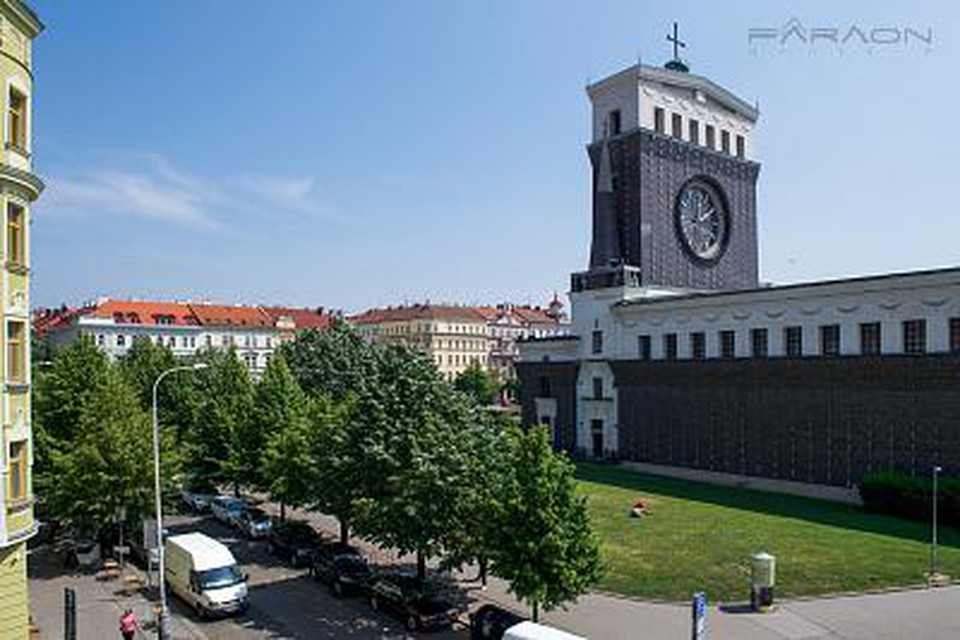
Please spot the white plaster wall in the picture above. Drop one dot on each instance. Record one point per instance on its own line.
(622, 95)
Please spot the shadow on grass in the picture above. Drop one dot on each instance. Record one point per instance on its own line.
(775, 504)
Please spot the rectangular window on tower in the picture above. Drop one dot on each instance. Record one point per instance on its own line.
(613, 122)
(17, 471)
(710, 134)
(694, 130)
(16, 351)
(741, 147)
(760, 343)
(698, 345)
(793, 341)
(544, 387)
(17, 120)
(598, 388)
(597, 341)
(725, 141)
(16, 255)
(669, 346)
(645, 352)
(955, 335)
(830, 340)
(676, 125)
(728, 344)
(870, 338)
(658, 120)
(914, 336)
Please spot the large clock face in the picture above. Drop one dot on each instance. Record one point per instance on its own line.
(702, 222)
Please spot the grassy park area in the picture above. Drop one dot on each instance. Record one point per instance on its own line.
(700, 537)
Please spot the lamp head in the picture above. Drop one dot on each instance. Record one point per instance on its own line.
(937, 469)
(200, 366)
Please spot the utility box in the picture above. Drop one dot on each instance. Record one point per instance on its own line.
(763, 570)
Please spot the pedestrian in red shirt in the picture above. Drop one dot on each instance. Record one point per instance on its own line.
(128, 625)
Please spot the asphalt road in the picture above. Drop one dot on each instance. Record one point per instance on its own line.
(286, 602)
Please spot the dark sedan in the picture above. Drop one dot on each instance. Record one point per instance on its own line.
(343, 568)
(294, 541)
(418, 607)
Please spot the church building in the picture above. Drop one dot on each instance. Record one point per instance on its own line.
(678, 360)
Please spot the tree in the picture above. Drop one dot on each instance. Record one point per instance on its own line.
(414, 461)
(105, 460)
(213, 445)
(288, 471)
(278, 405)
(334, 362)
(478, 383)
(338, 453)
(545, 548)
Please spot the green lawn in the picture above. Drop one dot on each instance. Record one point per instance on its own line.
(700, 537)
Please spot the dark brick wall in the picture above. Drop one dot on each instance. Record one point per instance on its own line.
(818, 420)
(562, 377)
(650, 169)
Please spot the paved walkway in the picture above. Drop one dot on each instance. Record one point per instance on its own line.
(99, 602)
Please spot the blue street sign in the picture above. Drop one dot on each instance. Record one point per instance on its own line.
(699, 611)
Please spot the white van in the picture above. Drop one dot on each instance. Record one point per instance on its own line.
(203, 572)
(533, 631)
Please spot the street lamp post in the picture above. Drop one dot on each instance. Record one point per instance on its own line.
(933, 546)
(163, 621)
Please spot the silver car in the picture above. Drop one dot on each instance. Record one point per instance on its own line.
(228, 510)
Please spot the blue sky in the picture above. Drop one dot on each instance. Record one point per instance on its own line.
(354, 154)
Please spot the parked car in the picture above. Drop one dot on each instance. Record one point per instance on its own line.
(342, 568)
(143, 544)
(490, 622)
(227, 510)
(204, 573)
(255, 523)
(294, 541)
(419, 606)
(198, 501)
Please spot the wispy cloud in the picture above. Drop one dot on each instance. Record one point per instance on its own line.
(150, 186)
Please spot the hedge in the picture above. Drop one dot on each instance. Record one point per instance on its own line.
(899, 494)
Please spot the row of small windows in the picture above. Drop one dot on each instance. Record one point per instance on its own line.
(455, 359)
(186, 342)
(914, 336)
(693, 132)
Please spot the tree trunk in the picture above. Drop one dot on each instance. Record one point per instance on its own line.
(483, 572)
(283, 512)
(421, 567)
(344, 532)
(236, 489)
(536, 611)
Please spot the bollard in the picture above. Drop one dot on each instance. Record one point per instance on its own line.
(69, 614)
(762, 579)
(699, 611)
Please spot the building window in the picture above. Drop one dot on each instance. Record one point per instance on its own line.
(870, 338)
(759, 343)
(698, 345)
(793, 341)
(101, 340)
(17, 471)
(17, 120)
(710, 137)
(16, 255)
(725, 141)
(644, 348)
(954, 334)
(16, 351)
(598, 388)
(676, 125)
(830, 340)
(741, 147)
(915, 336)
(694, 130)
(670, 346)
(597, 341)
(209, 340)
(613, 122)
(121, 340)
(544, 387)
(658, 123)
(728, 344)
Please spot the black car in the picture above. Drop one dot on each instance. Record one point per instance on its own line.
(490, 622)
(419, 606)
(343, 568)
(294, 541)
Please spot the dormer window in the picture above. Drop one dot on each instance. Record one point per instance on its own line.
(613, 122)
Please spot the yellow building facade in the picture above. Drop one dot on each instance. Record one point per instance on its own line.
(19, 188)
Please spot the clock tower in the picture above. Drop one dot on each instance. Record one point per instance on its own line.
(674, 184)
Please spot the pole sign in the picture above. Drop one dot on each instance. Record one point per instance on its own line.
(699, 611)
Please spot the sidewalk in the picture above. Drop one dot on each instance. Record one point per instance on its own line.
(99, 603)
